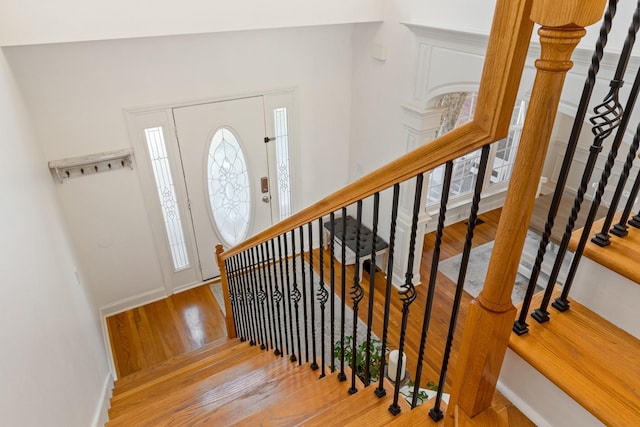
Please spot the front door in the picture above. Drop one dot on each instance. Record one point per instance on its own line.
(225, 165)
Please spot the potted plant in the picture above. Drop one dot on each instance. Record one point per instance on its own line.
(375, 361)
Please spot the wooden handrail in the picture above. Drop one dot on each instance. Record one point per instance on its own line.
(506, 54)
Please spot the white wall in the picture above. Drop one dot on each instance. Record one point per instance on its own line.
(77, 93)
(37, 21)
(52, 364)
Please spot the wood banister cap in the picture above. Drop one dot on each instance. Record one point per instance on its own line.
(562, 13)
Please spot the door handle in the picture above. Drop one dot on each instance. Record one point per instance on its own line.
(266, 199)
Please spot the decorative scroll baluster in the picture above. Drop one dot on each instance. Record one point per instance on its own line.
(436, 412)
(602, 238)
(276, 298)
(342, 376)
(251, 320)
(295, 295)
(235, 299)
(372, 287)
(323, 296)
(380, 391)
(435, 259)
(260, 297)
(356, 296)
(241, 299)
(314, 363)
(243, 294)
(332, 247)
(407, 291)
(293, 357)
(264, 248)
(264, 291)
(608, 117)
(304, 296)
(282, 265)
(249, 286)
(520, 326)
(562, 303)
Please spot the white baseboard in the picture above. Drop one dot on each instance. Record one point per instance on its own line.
(192, 285)
(132, 302)
(101, 415)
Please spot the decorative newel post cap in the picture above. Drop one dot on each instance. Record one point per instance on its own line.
(563, 13)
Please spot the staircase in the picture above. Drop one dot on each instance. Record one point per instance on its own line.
(585, 364)
(230, 382)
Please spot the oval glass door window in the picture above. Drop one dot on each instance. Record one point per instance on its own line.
(228, 183)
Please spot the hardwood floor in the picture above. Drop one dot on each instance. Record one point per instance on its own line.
(147, 335)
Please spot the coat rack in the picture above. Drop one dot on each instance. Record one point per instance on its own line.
(95, 163)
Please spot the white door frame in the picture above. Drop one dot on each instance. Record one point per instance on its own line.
(138, 119)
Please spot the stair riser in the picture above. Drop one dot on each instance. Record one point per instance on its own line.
(608, 294)
(538, 398)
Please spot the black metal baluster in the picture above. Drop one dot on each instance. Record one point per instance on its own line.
(635, 221)
(356, 296)
(312, 302)
(435, 260)
(562, 303)
(264, 291)
(407, 292)
(251, 320)
(283, 261)
(265, 254)
(234, 298)
(277, 298)
(603, 126)
(293, 357)
(260, 296)
(296, 296)
(436, 412)
(251, 300)
(621, 230)
(323, 296)
(372, 288)
(520, 326)
(342, 376)
(239, 299)
(602, 238)
(304, 296)
(245, 295)
(332, 243)
(380, 391)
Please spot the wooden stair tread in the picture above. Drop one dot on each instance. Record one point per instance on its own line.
(215, 390)
(301, 405)
(621, 255)
(181, 378)
(589, 358)
(361, 408)
(275, 391)
(177, 362)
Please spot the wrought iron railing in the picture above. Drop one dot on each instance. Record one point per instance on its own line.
(609, 118)
(275, 299)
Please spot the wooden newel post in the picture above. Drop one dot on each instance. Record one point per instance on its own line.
(491, 315)
(231, 329)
